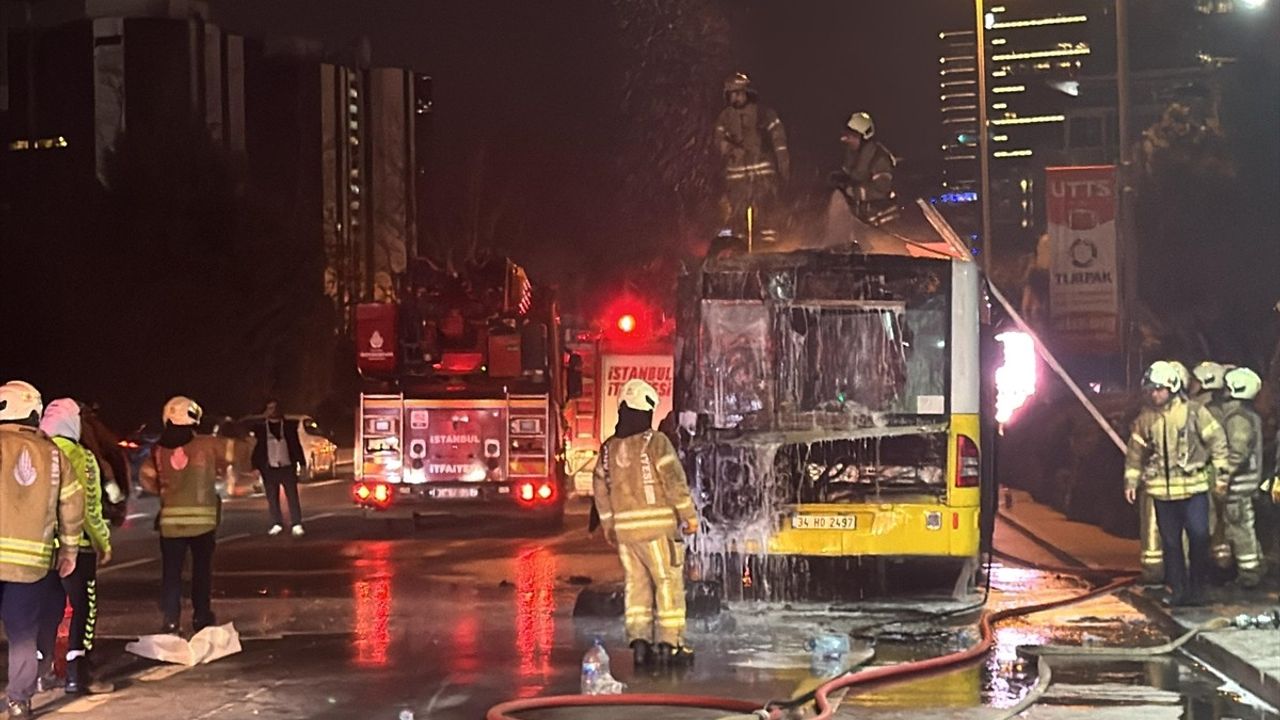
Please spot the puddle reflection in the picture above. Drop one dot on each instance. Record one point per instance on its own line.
(373, 605)
(535, 618)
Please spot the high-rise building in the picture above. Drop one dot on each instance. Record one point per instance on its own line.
(1036, 53)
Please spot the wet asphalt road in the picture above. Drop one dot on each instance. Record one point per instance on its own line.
(364, 619)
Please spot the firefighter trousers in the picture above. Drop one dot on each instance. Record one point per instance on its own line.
(1152, 556)
(655, 578)
(20, 605)
(758, 192)
(1234, 536)
(81, 589)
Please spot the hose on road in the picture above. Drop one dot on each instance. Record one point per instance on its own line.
(822, 696)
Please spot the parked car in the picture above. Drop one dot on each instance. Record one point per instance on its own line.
(322, 453)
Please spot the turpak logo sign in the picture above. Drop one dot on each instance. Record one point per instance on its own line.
(1084, 297)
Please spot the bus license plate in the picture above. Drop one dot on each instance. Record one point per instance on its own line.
(824, 522)
(455, 493)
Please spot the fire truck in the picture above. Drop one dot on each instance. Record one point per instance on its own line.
(461, 405)
(631, 340)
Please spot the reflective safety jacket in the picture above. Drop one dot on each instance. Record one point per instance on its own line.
(752, 143)
(868, 173)
(186, 478)
(40, 498)
(84, 466)
(640, 488)
(1175, 451)
(1244, 447)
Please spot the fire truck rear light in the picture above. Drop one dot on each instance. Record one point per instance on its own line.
(545, 492)
(526, 492)
(362, 491)
(381, 493)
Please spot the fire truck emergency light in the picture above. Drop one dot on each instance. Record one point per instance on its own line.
(627, 323)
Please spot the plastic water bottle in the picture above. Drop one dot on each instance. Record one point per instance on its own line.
(827, 654)
(595, 670)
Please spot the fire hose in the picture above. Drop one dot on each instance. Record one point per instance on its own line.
(504, 711)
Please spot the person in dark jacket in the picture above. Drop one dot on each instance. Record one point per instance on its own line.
(277, 455)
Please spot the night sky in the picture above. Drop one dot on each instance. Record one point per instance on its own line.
(536, 86)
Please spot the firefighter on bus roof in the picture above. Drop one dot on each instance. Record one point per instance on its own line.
(645, 507)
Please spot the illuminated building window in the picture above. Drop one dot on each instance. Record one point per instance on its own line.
(1035, 119)
(999, 41)
(1011, 153)
(1038, 22)
(999, 138)
(1037, 54)
(1000, 106)
(1009, 89)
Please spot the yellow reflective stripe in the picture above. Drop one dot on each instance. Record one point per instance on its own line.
(8, 558)
(666, 460)
(19, 543)
(644, 512)
(68, 489)
(189, 510)
(684, 505)
(1138, 439)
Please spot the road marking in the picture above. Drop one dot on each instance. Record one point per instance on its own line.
(324, 483)
(124, 565)
(137, 516)
(237, 536)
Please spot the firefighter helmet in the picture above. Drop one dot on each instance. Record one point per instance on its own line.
(862, 124)
(1183, 373)
(738, 81)
(1243, 384)
(18, 400)
(1163, 374)
(1209, 374)
(639, 395)
(182, 411)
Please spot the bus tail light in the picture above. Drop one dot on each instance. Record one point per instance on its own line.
(968, 464)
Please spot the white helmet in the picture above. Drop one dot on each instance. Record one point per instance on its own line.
(18, 400)
(182, 411)
(1163, 374)
(862, 124)
(62, 419)
(1243, 384)
(639, 395)
(1182, 373)
(1209, 374)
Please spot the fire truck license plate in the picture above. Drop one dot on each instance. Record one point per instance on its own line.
(454, 493)
(824, 522)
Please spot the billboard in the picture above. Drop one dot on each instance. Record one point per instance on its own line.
(616, 370)
(1084, 278)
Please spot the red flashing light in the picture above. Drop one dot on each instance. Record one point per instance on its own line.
(362, 491)
(545, 492)
(526, 492)
(627, 323)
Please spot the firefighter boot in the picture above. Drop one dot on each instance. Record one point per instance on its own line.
(682, 656)
(19, 708)
(80, 679)
(643, 652)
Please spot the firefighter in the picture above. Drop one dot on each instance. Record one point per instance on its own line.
(1177, 451)
(38, 498)
(1243, 427)
(1207, 389)
(183, 472)
(62, 423)
(866, 177)
(1207, 384)
(755, 159)
(644, 504)
(1152, 557)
